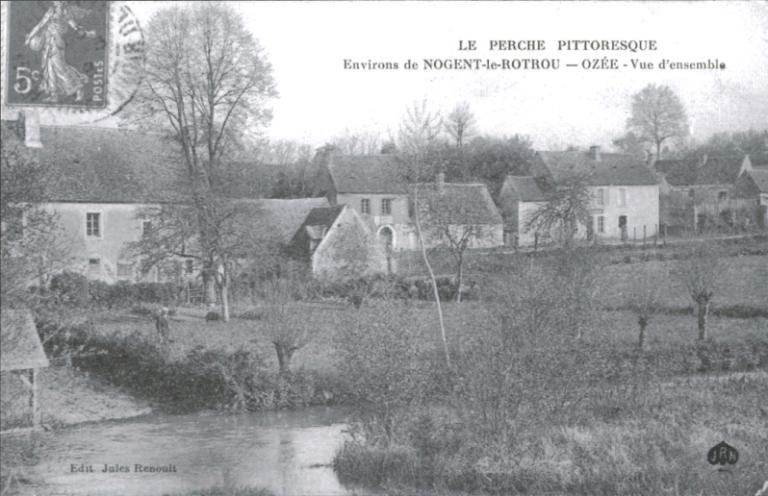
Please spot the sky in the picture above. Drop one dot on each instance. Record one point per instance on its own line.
(307, 42)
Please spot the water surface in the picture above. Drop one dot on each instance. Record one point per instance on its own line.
(287, 452)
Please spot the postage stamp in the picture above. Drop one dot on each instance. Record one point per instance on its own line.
(58, 54)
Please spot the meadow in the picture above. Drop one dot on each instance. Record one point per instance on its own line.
(514, 411)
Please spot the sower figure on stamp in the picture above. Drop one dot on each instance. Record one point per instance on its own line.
(59, 78)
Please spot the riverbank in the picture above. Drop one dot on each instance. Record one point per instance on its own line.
(69, 397)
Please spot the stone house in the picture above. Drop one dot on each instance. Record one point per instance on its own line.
(375, 187)
(105, 178)
(335, 242)
(697, 192)
(750, 194)
(624, 192)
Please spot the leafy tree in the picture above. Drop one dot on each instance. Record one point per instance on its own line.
(657, 116)
(631, 144)
(207, 82)
(32, 247)
(752, 142)
(566, 207)
(460, 123)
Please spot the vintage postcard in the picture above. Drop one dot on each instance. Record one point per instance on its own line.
(399, 247)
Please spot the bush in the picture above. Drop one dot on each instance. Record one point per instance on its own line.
(70, 288)
(212, 316)
(142, 310)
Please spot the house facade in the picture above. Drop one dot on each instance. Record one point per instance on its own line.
(699, 192)
(375, 187)
(624, 194)
(105, 179)
(335, 242)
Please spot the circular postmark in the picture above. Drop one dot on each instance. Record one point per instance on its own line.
(71, 62)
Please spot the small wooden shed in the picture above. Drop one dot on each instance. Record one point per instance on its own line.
(21, 353)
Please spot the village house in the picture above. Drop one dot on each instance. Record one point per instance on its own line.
(624, 192)
(375, 187)
(697, 192)
(104, 179)
(335, 242)
(750, 194)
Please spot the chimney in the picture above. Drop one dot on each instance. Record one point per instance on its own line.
(439, 181)
(594, 153)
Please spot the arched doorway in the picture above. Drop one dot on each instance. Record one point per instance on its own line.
(386, 238)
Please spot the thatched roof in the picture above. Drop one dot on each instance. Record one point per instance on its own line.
(20, 344)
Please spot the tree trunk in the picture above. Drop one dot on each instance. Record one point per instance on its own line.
(209, 288)
(641, 338)
(431, 278)
(284, 356)
(459, 279)
(703, 312)
(224, 293)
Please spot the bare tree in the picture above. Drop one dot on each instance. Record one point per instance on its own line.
(657, 115)
(644, 298)
(419, 130)
(449, 220)
(432, 278)
(460, 123)
(207, 82)
(566, 207)
(699, 273)
(362, 143)
(288, 322)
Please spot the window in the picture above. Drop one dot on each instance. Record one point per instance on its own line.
(722, 196)
(365, 206)
(94, 266)
(189, 266)
(146, 227)
(93, 224)
(386, 206)
(601, 224)
(601, 196)
(622, 197)
(124, 270)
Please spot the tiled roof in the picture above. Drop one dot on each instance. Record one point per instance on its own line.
(613, 169)
(665, 166)
(470, 201)
(317, 222)
(719, 170)
(19, 341)
(760, 177)
(367, 173)
(91, 164)
(278, 220)
(706, 171)
(522, 188)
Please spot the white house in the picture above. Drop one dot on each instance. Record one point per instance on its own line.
(624, 191)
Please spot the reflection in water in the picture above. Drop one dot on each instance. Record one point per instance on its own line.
(286, 452)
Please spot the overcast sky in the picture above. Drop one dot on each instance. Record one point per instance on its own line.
(308, 42)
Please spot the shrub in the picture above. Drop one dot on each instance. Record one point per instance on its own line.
(142, 310)
(251, 315)
(212, 316)
(70, 288)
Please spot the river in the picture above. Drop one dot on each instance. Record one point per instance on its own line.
(287, 452)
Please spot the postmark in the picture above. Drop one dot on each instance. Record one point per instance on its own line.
(71, 61)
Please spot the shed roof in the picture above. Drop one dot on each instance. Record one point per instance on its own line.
(21, 346)
(613, 169)
(760, 177)
(470, 203)
(277, 220)
(523, 188)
